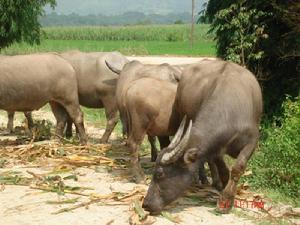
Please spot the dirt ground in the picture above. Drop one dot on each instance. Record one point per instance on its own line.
(71, 184)
(26, 205)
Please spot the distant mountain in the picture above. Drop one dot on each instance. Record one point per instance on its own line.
(128, 18)
(118, 7)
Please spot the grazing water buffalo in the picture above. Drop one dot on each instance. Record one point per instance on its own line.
(97, 83)
(28, 82)
(10, 121)
(223, 104)
(145, 97)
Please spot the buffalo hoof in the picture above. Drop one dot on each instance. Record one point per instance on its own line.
(223, 210)
(29, 133)
(203, 180)
(69, 135)
(103, 140)
(83, 141)
(138, 176)
(224, 205)
(7, 132)
(138, 179)
(218, 185)
(153, 158)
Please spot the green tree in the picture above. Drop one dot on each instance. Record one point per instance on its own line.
(265, 37)
(178, 22)
(239, 30)
(202, 15)
(19, 20)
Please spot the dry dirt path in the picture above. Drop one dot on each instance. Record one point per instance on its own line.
(168, 59)
(22, 205)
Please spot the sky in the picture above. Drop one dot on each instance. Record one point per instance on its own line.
(117, 7)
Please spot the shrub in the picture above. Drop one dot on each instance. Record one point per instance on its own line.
(263, 36)
(276, 164)
(178, 22)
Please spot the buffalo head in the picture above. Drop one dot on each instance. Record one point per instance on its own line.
(175, 170)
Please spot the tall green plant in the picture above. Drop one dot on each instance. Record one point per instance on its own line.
(238, 31)
(276, 164)
(265, 37)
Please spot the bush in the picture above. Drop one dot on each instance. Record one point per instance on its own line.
(178, 22)
(276, 164)
(263, 36)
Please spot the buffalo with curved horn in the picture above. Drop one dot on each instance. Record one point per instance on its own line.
(224, 101)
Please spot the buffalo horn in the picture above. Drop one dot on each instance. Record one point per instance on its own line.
(112, 68)
(172, 156)
(178, 134)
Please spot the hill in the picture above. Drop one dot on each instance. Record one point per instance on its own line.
(117, 7)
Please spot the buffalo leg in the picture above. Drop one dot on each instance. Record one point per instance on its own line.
(223, 171)
(151, 140)
(77, 117)
(10, 122)
(124, 126)
(29, 119)
(61, 118)
(227, 198)
(69, 128)
(136, 169)
(164, 141)
(136, 135)
(202, 174)
(135, 138)
(112, 120)
(215, 175)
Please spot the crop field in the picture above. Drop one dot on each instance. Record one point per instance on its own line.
(129, 40)
(168, 33)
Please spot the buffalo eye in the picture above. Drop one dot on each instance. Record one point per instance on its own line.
(159, 173)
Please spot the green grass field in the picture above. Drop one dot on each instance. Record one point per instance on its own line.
(200, 48)
(129, 40)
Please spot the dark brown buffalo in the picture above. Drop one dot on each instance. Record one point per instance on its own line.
(223, 104)
(28, 82)
(97, 83)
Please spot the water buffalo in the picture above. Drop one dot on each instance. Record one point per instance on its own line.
(223, 104)
(28, 82)
(97, 83)
(10, 121)
(145, 97)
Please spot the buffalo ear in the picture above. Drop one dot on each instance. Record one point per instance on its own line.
(190, 155)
